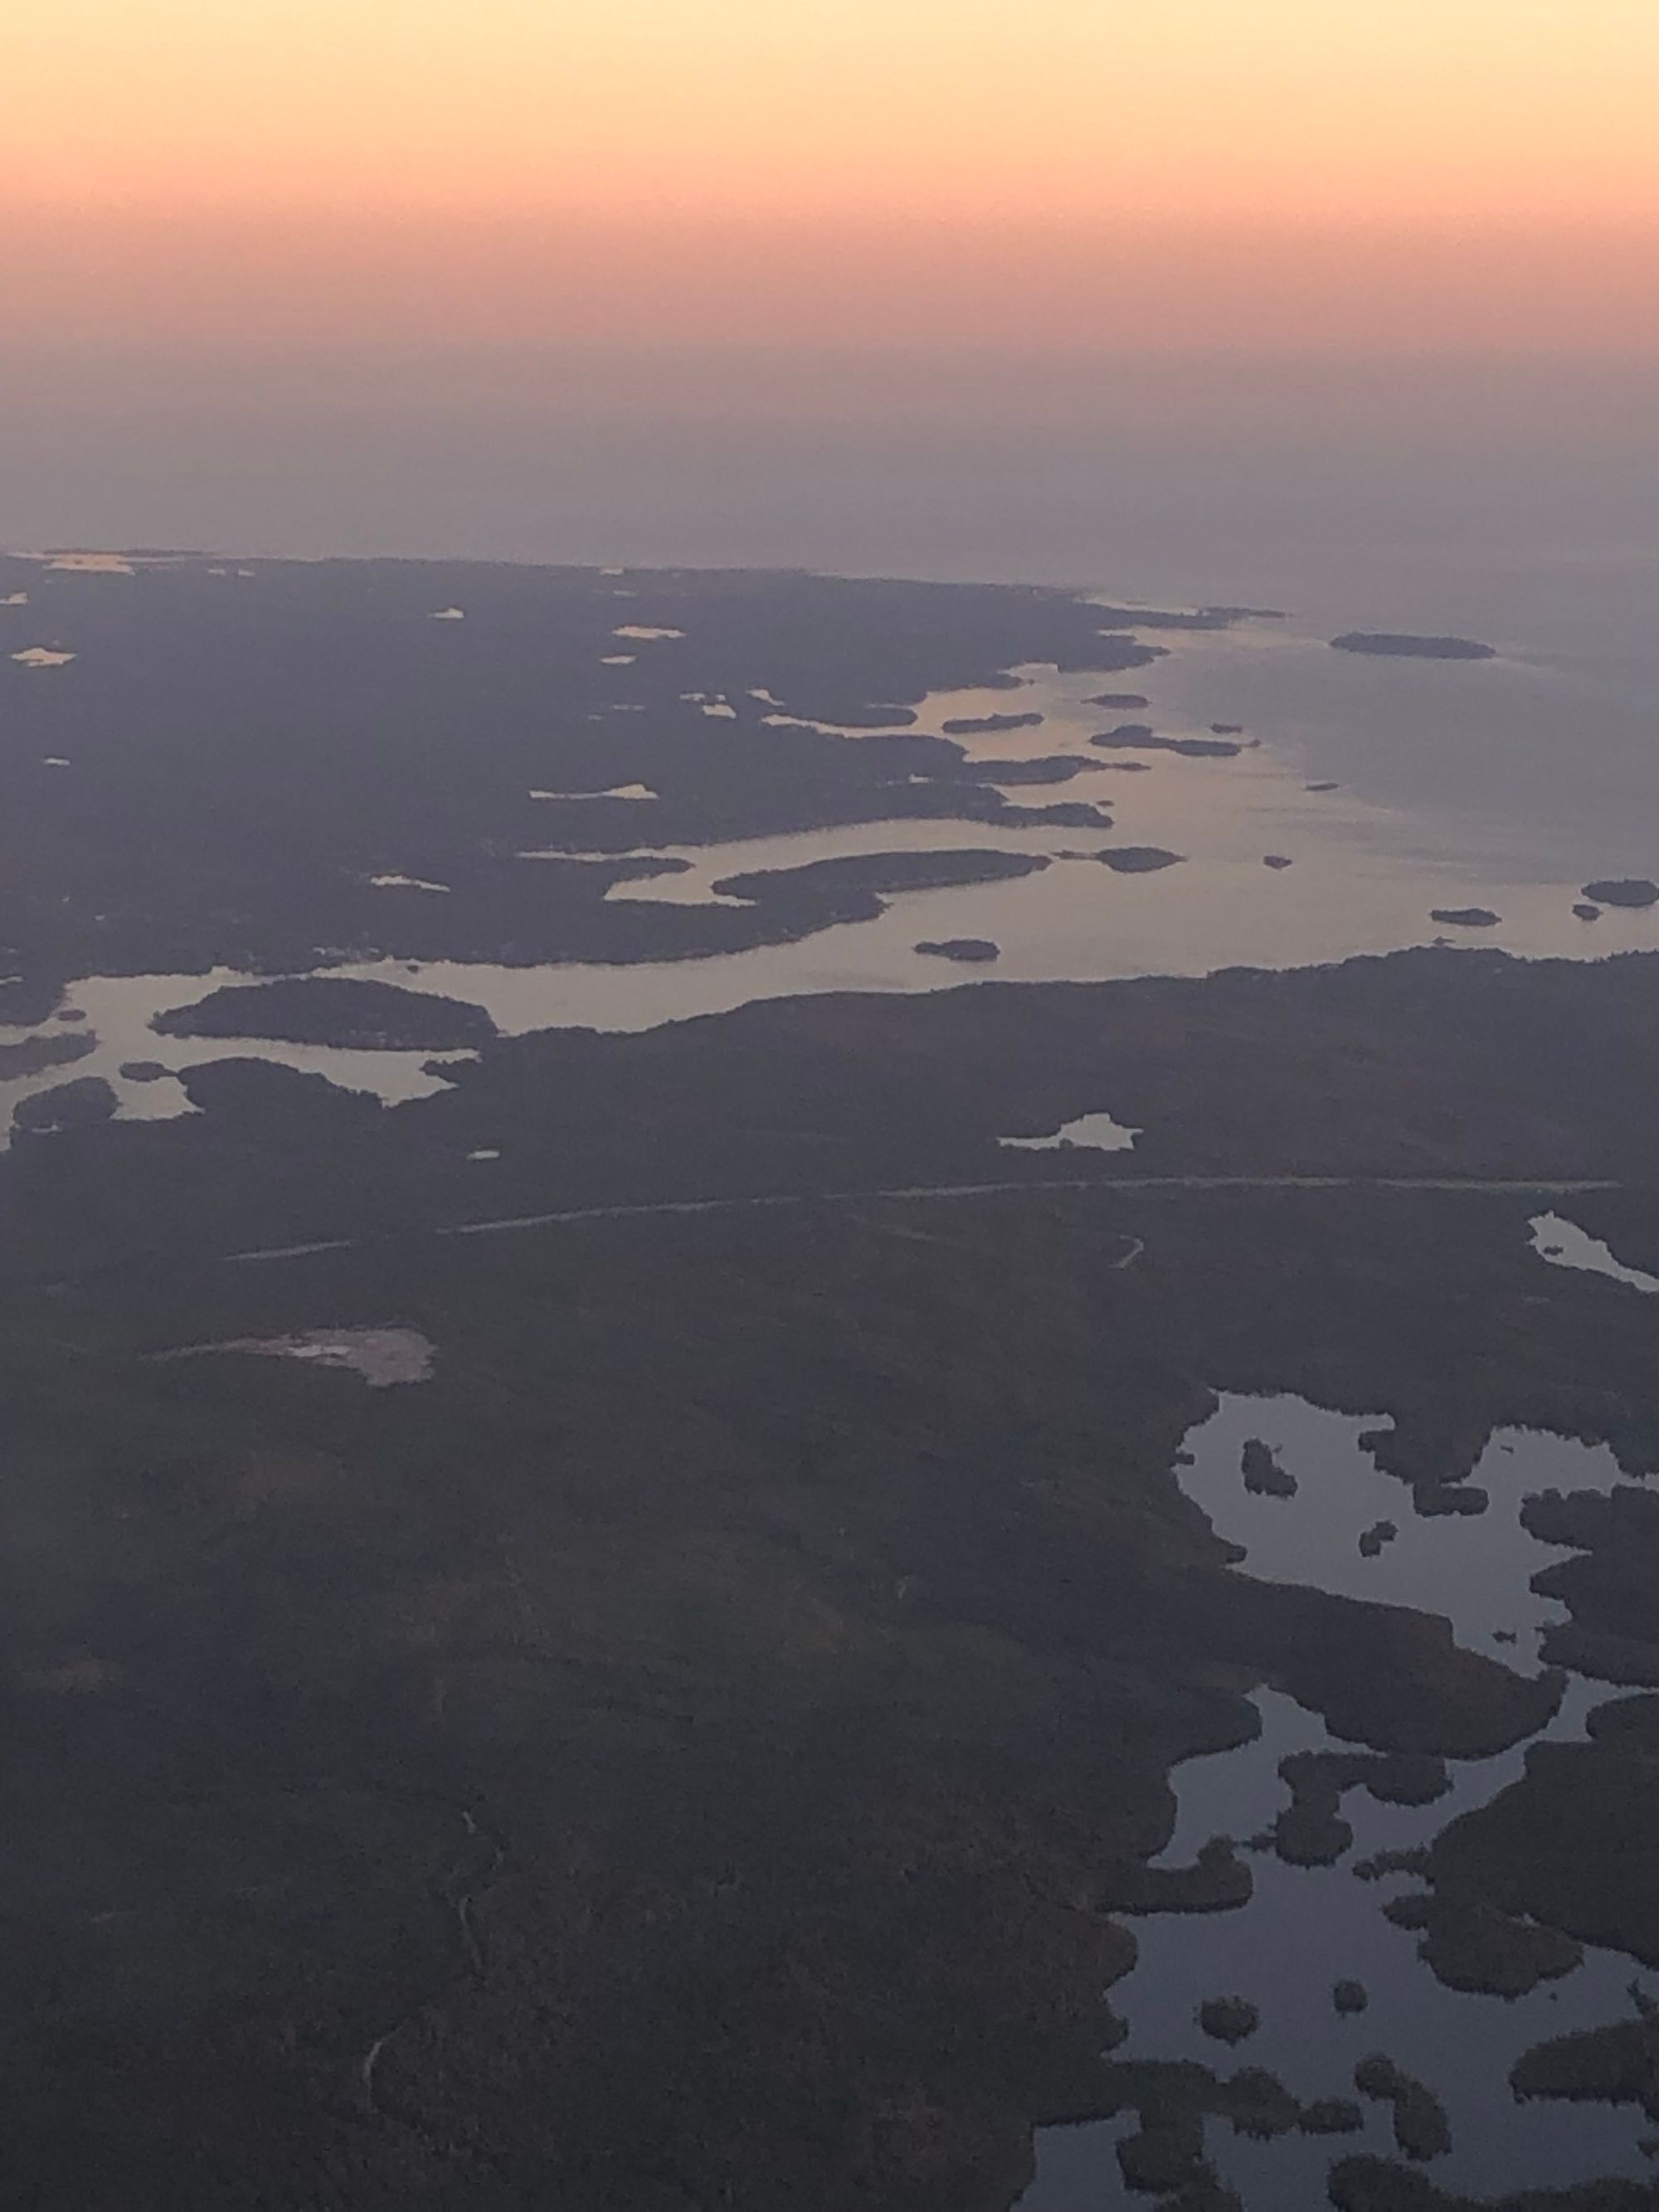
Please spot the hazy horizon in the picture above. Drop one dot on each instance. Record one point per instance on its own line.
(1194, 301)
(1488, 491)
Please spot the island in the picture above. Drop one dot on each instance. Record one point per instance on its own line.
(961, 948)
(1137, 859)
(862, 876)
(968, 726)
(1143, 740)
(1466, 917)
(1263, 1475)
(1229, 2019)
(1420, 2126)
(1624, 890)
(1401, 646)
(348, 1012)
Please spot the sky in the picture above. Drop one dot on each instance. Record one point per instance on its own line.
(1251, 174)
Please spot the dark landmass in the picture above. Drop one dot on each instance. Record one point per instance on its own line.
(851, 713)
(333, 1009)
(1133, 734)
(968, 726)
(1137, 859)
(1470, 1945)
(1631, 1720)
(1613, 2065)
(855, 887)
(1611, 1589)
(1411, 1859)
(1572, 1845)
(1052, 768)
(1373, 2184)
(1624, 890)
(174, 851)
(1331, 2116)
(1263, 1475)
(961, 948)
(33, 1056)
(689, 1751)
(1372, 1539)
(1311, 1831)
(1197, 618)
(1466, 917)
(1217, 1881)
(1349, 1997)
(24, 1001)
(143, 1070)
(264, 1094)
(1420, 2126)
(1140, 737)
(1322, 787)
(1115, 654)
(83, 1100)
(1405, 647)
(1228, 729)
(1172, 2099)
(1276, 861)
(1585, 912)
(1229, 2019)
(761, 1647)
(1126, 701)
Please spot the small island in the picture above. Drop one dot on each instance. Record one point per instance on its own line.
(960, 948)
(343, 1011)
(1263, 1475)
(1229, 2019)
(1277, 860)
(1466, 917)
(877, 875)
(970, 726)
(1399, 646)
(1139, 859)
(1623, 891)
(1128, 702)
(1421, 2125)
(1143, 740)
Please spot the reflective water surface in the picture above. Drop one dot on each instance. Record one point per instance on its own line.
(1305, 1928)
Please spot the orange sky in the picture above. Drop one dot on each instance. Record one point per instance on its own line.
(1091, 171)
